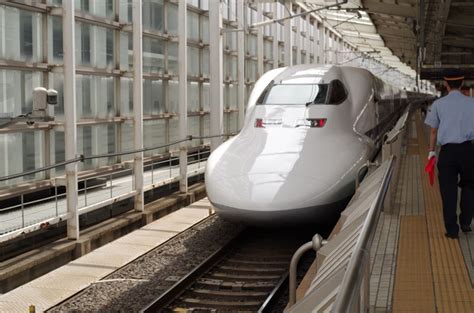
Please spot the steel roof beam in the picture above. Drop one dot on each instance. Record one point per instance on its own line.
(377, 7)
(458, 42)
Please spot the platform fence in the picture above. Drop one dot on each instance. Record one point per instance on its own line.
(97, 191)
(342, 280)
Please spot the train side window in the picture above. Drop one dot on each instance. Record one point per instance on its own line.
(337, 92)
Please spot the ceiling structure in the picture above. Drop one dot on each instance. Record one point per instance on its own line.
(429, 34)
(448, 29)
(358, 26)
(425, 36)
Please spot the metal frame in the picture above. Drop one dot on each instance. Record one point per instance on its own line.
(241, 20)
(70, 129)
(216, 74)
(183, 93)
(138, 104)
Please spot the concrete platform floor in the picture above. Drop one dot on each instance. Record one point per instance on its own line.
(58, 285)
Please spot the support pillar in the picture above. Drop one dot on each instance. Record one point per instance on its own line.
(288, 36)
(216, 74)
(260, 46)
(298, 36)
(70, 130)
(183, 95)
(308, 39)
(276, 56)
(315, 42)
(241, 62)
(138, 104)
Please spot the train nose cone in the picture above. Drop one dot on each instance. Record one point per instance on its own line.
(269, 191)
(271, 198)
(264, 177)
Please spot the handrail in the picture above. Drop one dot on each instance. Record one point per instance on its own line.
(352, 280)
(82, 158)
(399, 126)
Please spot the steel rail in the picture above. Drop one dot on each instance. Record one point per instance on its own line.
(185, 282)
(276, 292)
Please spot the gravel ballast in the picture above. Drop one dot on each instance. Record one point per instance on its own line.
(133, 286)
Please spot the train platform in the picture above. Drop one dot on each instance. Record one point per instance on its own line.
(60, 284)
(413, 266)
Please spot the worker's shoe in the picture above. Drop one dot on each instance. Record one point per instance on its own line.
(466, 228)
(451, 236)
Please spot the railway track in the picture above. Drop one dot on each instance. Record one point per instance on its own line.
(246, 275)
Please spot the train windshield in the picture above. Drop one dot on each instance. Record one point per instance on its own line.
(304, 94)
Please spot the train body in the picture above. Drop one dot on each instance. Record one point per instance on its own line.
(307, 131)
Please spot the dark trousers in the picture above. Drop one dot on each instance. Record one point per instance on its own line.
(456, 167)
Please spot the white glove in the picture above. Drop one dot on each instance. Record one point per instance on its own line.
(431, 154)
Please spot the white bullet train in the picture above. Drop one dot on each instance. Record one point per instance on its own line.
(308, 129)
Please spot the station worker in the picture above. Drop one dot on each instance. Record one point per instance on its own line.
(451, 119)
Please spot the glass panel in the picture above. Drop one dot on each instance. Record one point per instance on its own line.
(16, 91)
(103, 8)
(172, 19)
(94, 96)
(20, 152)
(153, 55)
(153, 14)
(193, 61)
(174, 133)
(268, 47)
(173, 96)
(125, 11)
(126, 51)
(206, 98)
(230, 122)
(20, 34)
(205, 62)
(55, 45)
(193, 129)
(204, 21)
(193, 97)
(153, 100)
(251, 70)
(206, 126)
(252, 45)
(59, 154)
(126, 97)
(154, 134)
(127, 140)
(173, 68)
(232, 96)
(193, 26)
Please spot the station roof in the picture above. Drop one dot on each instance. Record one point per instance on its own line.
(441, 32)
(357, 25)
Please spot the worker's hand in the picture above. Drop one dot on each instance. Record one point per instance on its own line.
(431, 154)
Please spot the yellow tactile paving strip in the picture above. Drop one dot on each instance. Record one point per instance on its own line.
(453, 289)
(413, 282)
(451, 286)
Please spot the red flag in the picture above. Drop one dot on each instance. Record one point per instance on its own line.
(430, 169)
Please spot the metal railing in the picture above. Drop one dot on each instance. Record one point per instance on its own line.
(94, 192)
(350, 288)
(342, 280)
